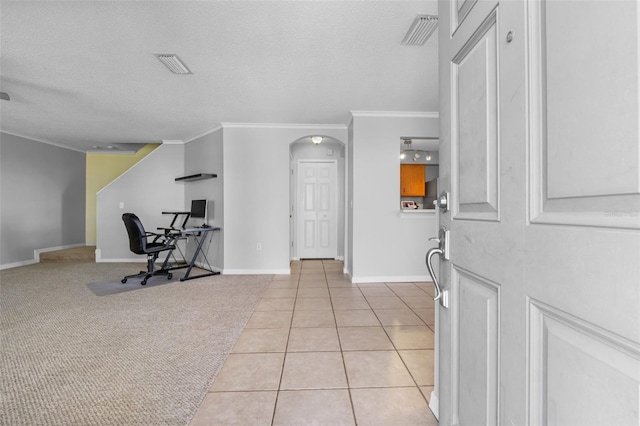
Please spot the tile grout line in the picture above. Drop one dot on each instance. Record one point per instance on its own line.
(344, 364)
(402, 359)
(397, 351)
(284, 358)
(298, 278)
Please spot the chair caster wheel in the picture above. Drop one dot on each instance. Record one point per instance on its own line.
(169, 276)
(144, 282)
(124, 280)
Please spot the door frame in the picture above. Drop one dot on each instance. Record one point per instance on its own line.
(339, 157)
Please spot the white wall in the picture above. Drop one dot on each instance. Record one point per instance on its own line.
(431, 172)
(387, 245)
(42, 199)
(204, 155)
(147, 189)
(256, 192)
(251, 197)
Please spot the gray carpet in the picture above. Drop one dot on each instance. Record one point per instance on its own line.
(69, 357)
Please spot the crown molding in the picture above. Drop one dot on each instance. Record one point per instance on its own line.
(205, 133)
(396, 114)
(172, 142)
(284, 126)
(45, 141)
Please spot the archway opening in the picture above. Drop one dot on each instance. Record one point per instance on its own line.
(317, 198)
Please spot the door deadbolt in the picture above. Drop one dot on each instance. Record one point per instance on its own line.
(442, 201)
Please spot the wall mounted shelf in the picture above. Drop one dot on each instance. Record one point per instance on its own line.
(197, 176)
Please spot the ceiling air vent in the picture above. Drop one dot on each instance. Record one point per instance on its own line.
(171, 61)
(421, 29)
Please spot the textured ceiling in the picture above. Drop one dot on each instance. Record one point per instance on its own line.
(84, 73)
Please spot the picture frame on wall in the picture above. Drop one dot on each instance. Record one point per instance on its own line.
(408, 205)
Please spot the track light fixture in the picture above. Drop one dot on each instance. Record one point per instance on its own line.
(415, 154)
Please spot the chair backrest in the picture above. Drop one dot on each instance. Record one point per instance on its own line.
(137, 234)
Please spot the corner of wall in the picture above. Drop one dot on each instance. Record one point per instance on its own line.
(101, 170)
(146, 189)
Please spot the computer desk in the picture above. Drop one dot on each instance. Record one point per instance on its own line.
(199, 234)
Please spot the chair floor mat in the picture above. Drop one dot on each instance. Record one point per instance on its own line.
(106, 288)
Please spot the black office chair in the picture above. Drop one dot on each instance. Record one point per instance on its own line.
(139, 244)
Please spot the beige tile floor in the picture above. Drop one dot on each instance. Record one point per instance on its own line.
(319, 350)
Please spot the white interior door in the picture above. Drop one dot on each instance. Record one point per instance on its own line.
(317, 210)
(539, 149)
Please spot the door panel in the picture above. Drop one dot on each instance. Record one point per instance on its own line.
(308, 215)
(309, 194)
(543, 325)
(577, 88)
(583, 172)
(573, 364)
(318, 209)
(324, 231)
(475, 307)
(462, 8)
(475, 119)
(309, 240)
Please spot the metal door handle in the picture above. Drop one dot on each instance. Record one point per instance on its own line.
(430, 254)
(442, 250)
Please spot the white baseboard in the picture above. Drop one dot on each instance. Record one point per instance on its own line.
(141, 260)
(36, 256)
(391, 279)
(434, 404)
(336, 258)
(256, 271)
(18, 264)
(99, 259)
(203, 265)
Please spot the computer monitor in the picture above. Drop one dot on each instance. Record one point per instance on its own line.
(199, 209)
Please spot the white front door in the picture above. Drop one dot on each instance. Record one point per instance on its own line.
(317, 210)
(539, 150)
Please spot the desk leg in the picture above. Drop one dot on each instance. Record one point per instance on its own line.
(165, 264)
(188, 276)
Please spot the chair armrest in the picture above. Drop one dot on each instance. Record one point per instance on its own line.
(167, 231)
(162, 237)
